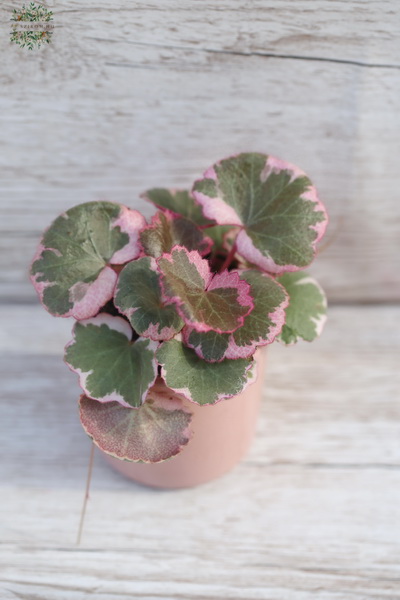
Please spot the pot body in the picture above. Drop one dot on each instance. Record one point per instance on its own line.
(222, 434)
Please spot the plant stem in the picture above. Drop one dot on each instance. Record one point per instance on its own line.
(86, 498)
(229, 258)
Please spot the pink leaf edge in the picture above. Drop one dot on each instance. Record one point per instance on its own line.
(233, 351)
(118, 324)
(156, 453)
(88, 298)
(166, 333)
(278, 318)
(194, 258)
(216, 208)
(219, 280)
(171, 215)
(131, 222)
(220, 211)
(185, 392)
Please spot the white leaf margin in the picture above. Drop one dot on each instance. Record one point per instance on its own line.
(117, 324)
(224, 214)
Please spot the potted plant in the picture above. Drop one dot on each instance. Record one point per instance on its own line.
(172, 315)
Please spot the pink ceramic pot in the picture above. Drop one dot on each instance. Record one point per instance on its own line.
(222, 434)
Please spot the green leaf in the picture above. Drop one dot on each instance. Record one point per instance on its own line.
(219, 237)
(152, 433)
(210, 345)
(138, 297)
(200, 381)
(205, 302)
(168, 230)
(260, 327)
(178, 201)
(182, 203)
(275, 205)
(112, 367)
(306, 313)
(71, 271)
(265, 321)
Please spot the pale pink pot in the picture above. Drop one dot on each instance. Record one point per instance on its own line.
(222, 435)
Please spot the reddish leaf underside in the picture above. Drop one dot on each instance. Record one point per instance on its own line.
(158, 430)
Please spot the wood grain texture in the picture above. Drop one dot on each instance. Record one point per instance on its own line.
(313, 511)
(129, 97)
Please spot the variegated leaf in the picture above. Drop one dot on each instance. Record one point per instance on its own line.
(180, 202)
(157, 430)
(72, 270)
(111, 366)
(260, 327)
(138, 297)
(306, 313)
(210, 345)
(200, 381)
(275, 205)
(205, 302)
(167, 230)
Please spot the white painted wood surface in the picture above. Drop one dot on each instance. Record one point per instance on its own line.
(313, 512)
(132, 95)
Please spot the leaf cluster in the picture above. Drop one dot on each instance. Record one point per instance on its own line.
(172, 311)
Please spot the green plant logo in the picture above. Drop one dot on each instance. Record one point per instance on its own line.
(31, 26)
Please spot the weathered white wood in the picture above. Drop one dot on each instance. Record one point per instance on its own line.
(128, 97)
(313, 511)
(356, 30)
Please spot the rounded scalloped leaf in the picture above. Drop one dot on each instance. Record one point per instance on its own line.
(111, 367)
(200, 381)
(306, 313)
(205, 302)
(274, 203)
(167, 230)
(71, 270)
(260, 327)
(181, 202)
(138, 297)
(157, 430)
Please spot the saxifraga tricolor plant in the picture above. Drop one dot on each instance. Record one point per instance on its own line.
(184, 300)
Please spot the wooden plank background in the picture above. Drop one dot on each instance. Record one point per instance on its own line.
(313, 511)
(133, 95)
(129, 97)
